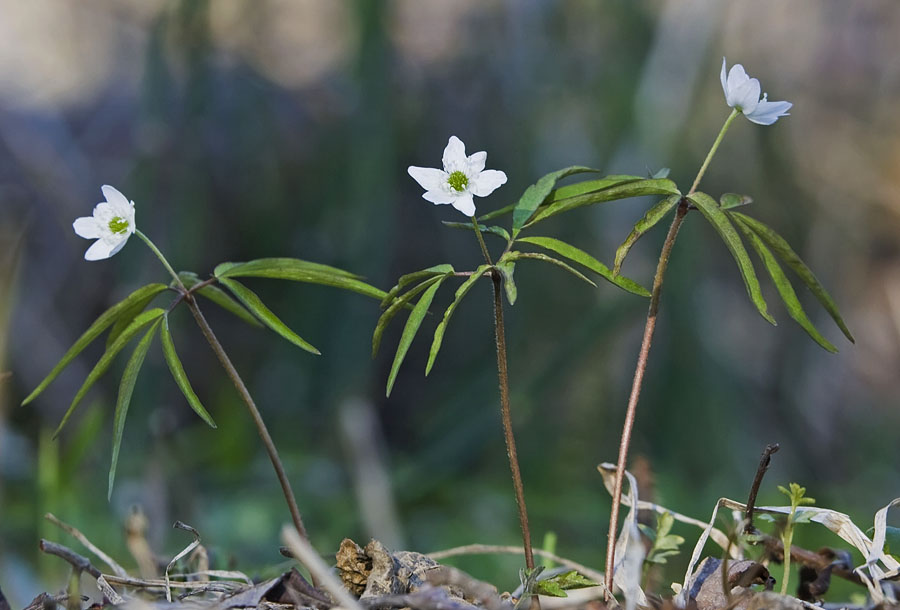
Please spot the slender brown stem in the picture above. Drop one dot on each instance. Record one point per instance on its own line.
(254, 413)
(764, 461)
(636, 384)
(503, 375)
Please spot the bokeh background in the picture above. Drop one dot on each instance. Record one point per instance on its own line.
(284, 128)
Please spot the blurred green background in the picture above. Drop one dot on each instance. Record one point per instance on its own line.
(246, 129)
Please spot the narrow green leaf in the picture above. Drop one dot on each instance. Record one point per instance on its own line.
(105, 320)
(589, 186)
(795, 309)
(568, 191)
(461, 292)
(252, 302)
(623, 190)
(497, 213)
(127, 316)
(126, 389)
(409, 331)
(507, 269)
(415, 276)
(514, 256)
(787, 254)
(219, 297)
(298, 271)
(535, 194)
(733, 200)
(583, 258)
(649, 220)
(719, 220)
(178, 374)
(499, 231)
(278, 268)
(395, 308)
(139, 322)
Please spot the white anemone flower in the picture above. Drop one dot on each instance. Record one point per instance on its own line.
(461, 178)
(111, 225)
(742, 93)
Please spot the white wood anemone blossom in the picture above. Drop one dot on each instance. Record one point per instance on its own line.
(111, 225)
(742, 93)
(461, 178)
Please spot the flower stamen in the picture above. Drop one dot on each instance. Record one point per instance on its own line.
(118, 225)
(458, 181)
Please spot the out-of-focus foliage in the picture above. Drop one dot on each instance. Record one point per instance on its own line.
(279, 128)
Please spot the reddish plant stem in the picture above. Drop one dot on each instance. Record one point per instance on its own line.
(636, 384)
(254, 413)
(503, 375)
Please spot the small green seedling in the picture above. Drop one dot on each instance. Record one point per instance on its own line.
(665, 544)
(797, 496)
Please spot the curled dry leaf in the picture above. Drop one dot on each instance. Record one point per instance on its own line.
(707, 589)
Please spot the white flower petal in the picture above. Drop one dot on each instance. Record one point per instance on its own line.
(455, 156)
(746, 95)
(487, 182)
(100, 250)
(724, 80)
(476, 163)
(767, 112)
(428, 178)
(465, 204)
(120, 245)
(117, 200)
(87, 227)
(439, 197)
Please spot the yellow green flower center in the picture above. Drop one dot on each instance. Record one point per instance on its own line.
(458, 181)
(118, 225)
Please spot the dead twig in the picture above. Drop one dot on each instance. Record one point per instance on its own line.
(75, 533)
(482, 592)
(764, 461)
(424, 599)
(79, 562)
(489, 549)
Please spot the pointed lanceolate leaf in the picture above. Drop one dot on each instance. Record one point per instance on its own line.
(500, 231)
(127, 316)
(565, 192)
(126, 389)
(515, 256)
(298, 271)
(507, 269)
(621, 190)
(535, 194)
(461, 292)
(583, 258)
(105, 320)
(252, 302)
(395, 307)
(795, 309)
(219, 297)
(787, 254)
(649, 220)
(733, 200)
(138, 324)
(589, 186)
(415, 276)
(409, 331)
(178, 374)
(719, 220)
